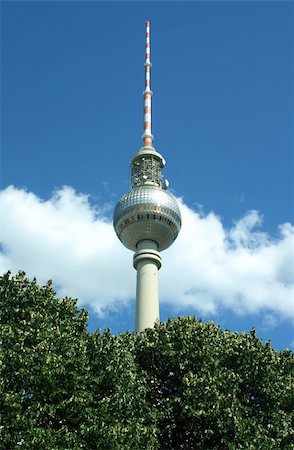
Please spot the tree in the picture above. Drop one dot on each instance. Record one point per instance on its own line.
(182, 385)
(213, 389)
(61, 387)
(44, 366)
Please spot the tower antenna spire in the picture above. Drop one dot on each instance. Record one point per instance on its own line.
(147, 136)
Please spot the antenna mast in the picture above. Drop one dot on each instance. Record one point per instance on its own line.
(147, 136)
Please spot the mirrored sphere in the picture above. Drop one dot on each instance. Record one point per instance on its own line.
(147, 212)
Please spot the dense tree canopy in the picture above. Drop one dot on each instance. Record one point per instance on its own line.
(182, 385)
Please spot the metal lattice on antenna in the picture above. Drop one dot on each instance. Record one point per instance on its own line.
(147, 136)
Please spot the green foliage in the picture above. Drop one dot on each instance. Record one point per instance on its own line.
(45, 366)
(182, 385)
(214, 389)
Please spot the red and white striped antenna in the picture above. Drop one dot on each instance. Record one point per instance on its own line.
(147, 136)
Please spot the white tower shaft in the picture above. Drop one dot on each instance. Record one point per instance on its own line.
(147, 261)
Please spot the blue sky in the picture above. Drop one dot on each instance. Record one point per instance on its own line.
(72, 78)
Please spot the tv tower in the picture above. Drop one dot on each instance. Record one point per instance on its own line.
(147, 219)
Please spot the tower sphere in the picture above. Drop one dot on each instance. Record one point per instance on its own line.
(147, 212)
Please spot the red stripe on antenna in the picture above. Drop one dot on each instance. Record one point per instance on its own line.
(147, 136)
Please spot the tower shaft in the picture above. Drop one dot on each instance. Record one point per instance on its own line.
(147, 261)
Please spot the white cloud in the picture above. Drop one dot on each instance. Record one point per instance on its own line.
(269, 321)
(241, 268)
(67, 240)
(209, 267)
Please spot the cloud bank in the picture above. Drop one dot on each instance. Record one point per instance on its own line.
(208, 268)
